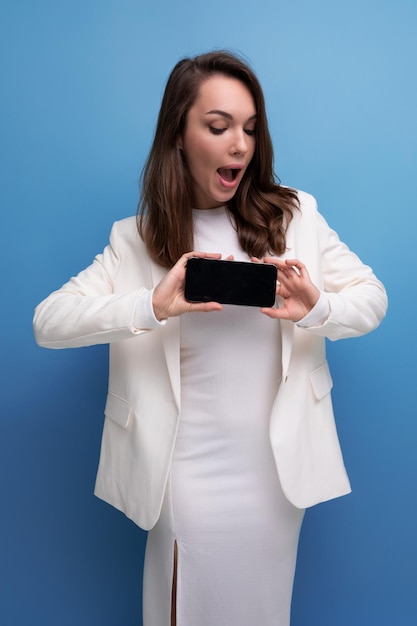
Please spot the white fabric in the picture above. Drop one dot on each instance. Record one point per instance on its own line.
(97, 306)
(236, 532)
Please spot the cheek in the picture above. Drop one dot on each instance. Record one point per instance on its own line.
(253, 149)
(201, 155)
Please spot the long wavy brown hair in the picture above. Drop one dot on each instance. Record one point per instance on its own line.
(262, 208)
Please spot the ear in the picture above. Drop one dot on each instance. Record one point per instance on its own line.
(179, 142)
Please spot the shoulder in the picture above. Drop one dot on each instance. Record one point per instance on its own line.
(308, 220)
(125, 238)
(308, 202)
(125, 227)
(125, 231)
(305, 213)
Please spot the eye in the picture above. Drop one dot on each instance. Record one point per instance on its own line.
(216, 131)
(250, 131)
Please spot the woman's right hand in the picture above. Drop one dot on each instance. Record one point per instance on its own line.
(168, 296)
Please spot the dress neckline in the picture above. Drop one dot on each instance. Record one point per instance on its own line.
(215, 211)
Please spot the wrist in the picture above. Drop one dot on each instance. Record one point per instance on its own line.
(313, 298)
(157, 309)
(318, 315)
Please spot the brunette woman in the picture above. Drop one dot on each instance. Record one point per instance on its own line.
(219, 427)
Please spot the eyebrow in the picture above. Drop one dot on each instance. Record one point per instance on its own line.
(227, 115)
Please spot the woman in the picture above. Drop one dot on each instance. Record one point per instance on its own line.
(219, 428)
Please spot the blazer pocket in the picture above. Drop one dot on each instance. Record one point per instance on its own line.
(321, 381)
(118, 410)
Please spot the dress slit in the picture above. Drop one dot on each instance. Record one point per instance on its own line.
(174, 586)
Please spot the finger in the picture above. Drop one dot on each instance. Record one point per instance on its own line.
(286, 264)
(296, 265)
(200, 254)
(280, 264)
(206, 255)
(204, 307)
(274, 313)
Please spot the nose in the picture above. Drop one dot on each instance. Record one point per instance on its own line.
(240, 142)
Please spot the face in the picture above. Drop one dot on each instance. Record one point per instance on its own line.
(218, 142)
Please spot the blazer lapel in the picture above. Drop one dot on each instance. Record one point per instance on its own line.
(170, 334)
(287, 327)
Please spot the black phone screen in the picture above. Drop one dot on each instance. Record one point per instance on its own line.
(230, 282)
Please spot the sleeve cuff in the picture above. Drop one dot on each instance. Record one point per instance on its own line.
(143, 316)
(318, 314)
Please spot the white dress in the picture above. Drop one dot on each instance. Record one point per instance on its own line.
(236, 533)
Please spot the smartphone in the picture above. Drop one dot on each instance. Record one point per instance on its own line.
(230, 282)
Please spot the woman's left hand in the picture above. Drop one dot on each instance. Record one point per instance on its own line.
(294, 286)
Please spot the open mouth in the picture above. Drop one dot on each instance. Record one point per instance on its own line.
(229, 174)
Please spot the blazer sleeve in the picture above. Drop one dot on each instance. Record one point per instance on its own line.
(358, 300)
(87, 310)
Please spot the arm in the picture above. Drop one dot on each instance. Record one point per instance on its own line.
(91, 308)
(357, 299)
(86, 310)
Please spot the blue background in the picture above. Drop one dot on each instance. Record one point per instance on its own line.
(81, 85)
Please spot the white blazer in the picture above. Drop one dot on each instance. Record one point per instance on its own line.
(144, 404)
